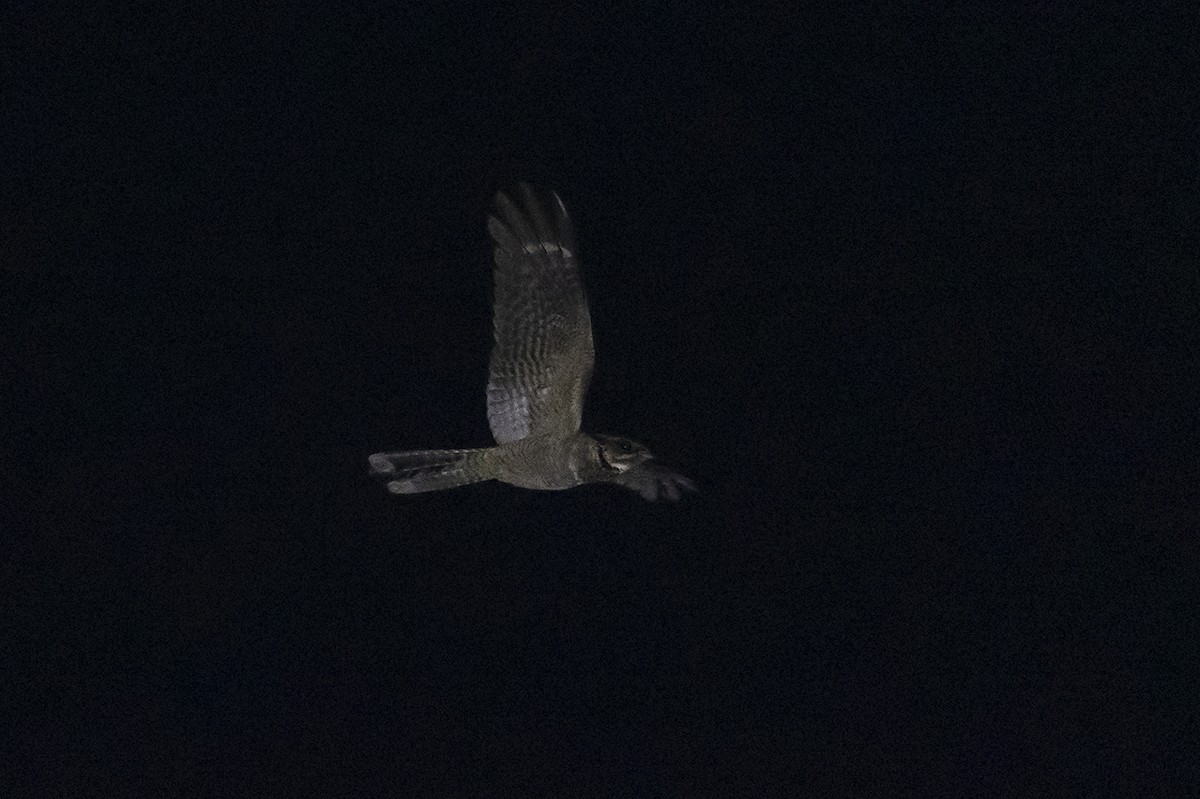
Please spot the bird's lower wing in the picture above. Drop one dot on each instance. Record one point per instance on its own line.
(654, 482)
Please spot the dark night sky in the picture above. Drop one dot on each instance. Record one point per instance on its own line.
(903, 290)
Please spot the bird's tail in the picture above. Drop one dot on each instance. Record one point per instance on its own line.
(431, 469)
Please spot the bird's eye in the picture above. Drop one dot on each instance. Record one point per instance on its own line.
(625, 446)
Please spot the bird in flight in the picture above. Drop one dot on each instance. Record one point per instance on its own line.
(538, 375)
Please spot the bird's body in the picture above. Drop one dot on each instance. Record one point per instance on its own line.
(547, 462)
(539, 371)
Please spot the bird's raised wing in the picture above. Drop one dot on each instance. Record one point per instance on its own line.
(542, 359)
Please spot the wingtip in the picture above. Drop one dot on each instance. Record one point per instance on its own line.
(380, 464)
(528, 194)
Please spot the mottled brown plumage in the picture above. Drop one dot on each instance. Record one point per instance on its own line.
(539, 371)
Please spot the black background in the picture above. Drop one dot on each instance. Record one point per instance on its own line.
(903, 289)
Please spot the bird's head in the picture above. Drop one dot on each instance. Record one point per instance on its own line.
(620, 454)
(629, 464)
